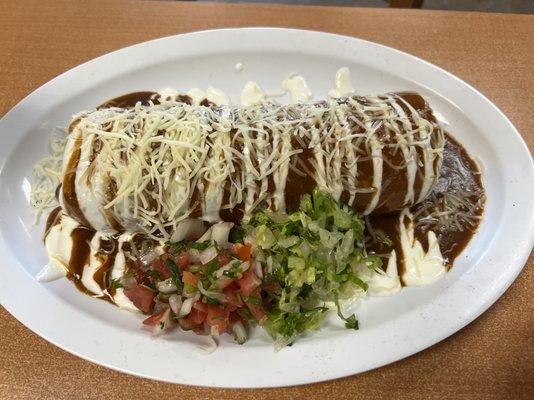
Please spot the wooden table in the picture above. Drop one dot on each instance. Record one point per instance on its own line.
(493, 358)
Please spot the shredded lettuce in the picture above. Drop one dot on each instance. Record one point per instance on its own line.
(314, 254)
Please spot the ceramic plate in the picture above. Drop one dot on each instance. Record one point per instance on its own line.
(391, 328)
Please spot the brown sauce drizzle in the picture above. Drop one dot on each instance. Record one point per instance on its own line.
(79, 257)
(70, 200)
(459, 176)
(131, 99)
(53, 219)
(107, 252)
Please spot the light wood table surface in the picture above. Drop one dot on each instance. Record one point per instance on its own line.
(492, 358)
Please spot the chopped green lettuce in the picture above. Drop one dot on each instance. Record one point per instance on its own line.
(314, 254)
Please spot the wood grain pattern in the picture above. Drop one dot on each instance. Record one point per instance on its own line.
(493, 358)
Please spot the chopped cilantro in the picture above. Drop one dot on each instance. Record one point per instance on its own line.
(153, 273)
(211, 267)
(209, 300)
(175, 272)
(233, 272)
(177, 247)
(117, 283)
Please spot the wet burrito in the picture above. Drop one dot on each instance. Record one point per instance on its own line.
(149, 167)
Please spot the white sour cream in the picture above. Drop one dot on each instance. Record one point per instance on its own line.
(168, 95)
(297, 88)
(117, 271)
(421, 268)
(216, 96)
(252, 94)
(385, 283)
(58, 244)
(342, 84)
(89, 270)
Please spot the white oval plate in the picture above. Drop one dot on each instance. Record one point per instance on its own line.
(391, 328)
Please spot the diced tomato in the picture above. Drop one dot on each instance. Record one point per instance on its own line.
(188, 277)
(159, 265)
(233, 301)
(154, 319)
(196, 316)
(218, 318)
(186, 324)
(224, 282)
(142, 297)
(183, 260)
(248, 282)
(200, 306)
(257, 309)
(223, 257)
(243, 251)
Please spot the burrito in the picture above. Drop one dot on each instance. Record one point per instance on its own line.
(151, 166)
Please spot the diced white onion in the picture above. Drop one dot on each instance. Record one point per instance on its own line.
(206, 236)
(186, 229)
(221, 270)
(208, 254)
(220, 233)
(166, 286)
(164, 323)
(257, 269)
(175, 301)
(240, 334)
(195, 256)
(212, 295)
(242, 268)
(187, 306)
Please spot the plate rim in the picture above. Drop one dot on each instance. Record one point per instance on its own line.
(512, 275)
